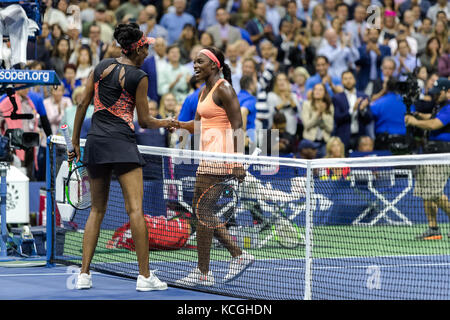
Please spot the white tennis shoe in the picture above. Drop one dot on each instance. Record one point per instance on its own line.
(238, 265)
(149, 284)
(196, 278)
(84, 281)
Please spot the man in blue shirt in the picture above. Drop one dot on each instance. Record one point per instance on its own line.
(388, 112)
(247, 101)
(174, 22)
(333, 84)
(431, 179)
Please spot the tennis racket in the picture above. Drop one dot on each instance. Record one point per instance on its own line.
(217, 203)
(77, 187)
(287, 233)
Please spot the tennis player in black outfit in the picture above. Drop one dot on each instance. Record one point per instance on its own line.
(117, 87)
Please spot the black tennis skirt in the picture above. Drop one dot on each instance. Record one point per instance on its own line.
(104, 150)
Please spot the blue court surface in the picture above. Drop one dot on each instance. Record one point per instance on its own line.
(57, 283)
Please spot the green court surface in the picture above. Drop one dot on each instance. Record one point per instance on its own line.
(328, 242)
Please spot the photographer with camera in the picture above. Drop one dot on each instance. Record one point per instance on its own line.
(431, 179)
(388, 113)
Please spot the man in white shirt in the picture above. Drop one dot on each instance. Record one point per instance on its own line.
(222, 32)
(357, 26)
(403, 34)
(441, 5)
(173, 76)
(342, 56)
(160, 47)
(351, 115)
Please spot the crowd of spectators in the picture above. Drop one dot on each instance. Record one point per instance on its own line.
(320, 71)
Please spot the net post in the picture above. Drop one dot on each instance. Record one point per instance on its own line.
(308, 233)
(49, 205)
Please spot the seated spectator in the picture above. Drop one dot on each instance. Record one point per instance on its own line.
(131, 8)
(69, 81)
(283, 100)
(259, 28)
(357, 26)
(187, 40)
(430, 57)
(406, 62)
(151, 28)
(365, 144)
(444, 62)
(55, 106)
(440, 5)
(208, 15)
(206, 39)
(285, 142)
(425, 103)
(403, 33)
(244, 14)
(299, 76)
(441, 32)
(307, 150)
(168, 108)
(332, 84)
(388, 113)
(174, 22)
(284, 42)
(173, 76)
(316, 34)
(318, 117)
(84, 64)
(424, 32)
(351, 115)
(340, 53)
(291, 16)
(371, 58)
(223, 33)
(60, 56)
(387, 72)
(335, 149)
(302, 53)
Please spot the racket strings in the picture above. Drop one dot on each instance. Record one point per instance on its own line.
(79, 188)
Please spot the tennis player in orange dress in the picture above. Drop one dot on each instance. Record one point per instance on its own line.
(219, 117)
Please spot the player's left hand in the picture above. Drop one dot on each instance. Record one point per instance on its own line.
(410, 120)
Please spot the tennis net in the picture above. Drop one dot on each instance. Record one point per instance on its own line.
(350, 228)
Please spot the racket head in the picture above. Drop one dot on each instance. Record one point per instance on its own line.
(287, 233)
(78, 191)
(217, 204)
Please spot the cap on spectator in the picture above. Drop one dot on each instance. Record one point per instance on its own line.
(305, 143)
(440, 85)
(389, 13)
(101, 7)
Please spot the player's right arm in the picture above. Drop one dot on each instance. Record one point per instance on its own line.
(145, 120)
(191, 126)
(80, 115)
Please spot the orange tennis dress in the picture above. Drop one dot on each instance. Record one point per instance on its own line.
(216, 134)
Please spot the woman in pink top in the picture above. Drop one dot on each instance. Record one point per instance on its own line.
(219, 115)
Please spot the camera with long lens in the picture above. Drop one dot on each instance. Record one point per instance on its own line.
(16, 139)
(409, 90)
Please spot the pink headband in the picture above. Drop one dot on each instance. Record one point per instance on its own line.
(140, 43)
(211, 55)
(389, 13)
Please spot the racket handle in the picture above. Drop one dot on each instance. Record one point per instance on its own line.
(65, 131)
